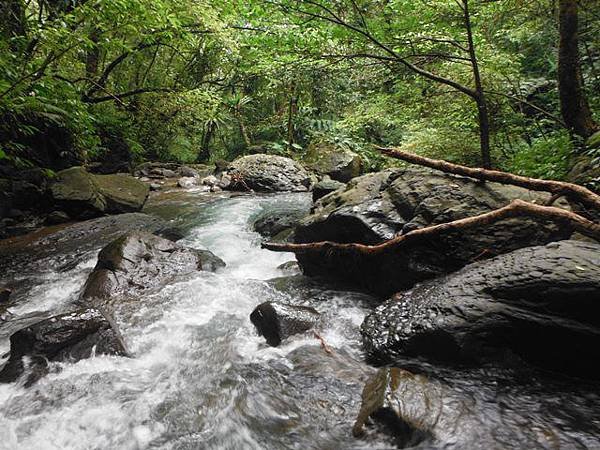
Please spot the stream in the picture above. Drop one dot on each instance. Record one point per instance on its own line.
(201, 378)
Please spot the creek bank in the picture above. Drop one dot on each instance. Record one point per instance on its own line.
(67, 337)
(537, 304)
(379, 206)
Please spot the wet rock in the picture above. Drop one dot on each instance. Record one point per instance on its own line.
(378, 206)
(210, 180)
(80, 193)
(274, 222)
(268, 173)
(277, 321)
(290, 268)
(27, 196)
(57, 217)
(186, 171)
(333, 160)
(54, 247)
(186, 182)
(155, 187)
(137, 261)
(324, 187)
(67, 337)
(538, 303)
(224, 181)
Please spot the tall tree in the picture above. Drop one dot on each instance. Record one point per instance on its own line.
(574, 106)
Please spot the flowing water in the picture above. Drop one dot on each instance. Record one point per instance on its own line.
(201, 378)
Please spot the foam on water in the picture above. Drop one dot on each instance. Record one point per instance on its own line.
(200, 376)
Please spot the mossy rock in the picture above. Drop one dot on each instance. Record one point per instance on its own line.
(328, 159)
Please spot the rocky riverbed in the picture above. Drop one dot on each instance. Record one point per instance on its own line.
(152, 343)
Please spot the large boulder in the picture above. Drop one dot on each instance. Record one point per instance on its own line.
(379, 206)
(68, 337)
(324, 187)
(337, 162)
(277, 321)
(479, 410)
(540, 304)
(137, 261)
(268, 173)
(80, 193)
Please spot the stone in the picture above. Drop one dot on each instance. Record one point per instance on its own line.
(224, 181)
(210, 180)
(155, 187)
(186, 182)
(333, 160)
(57, 217)
(277, 321)
(80, 193)
(268, 173)
(67, 337)
(540, 304)
(186, 171)
(290, 268)
(379, 206)
(325, 187)
(138, 261)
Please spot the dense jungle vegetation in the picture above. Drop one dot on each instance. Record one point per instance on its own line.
(511, 84)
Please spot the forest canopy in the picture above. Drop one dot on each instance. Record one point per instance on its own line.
(510, 84)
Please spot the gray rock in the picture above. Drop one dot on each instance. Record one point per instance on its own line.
(274, 222)
(224, 181)
(378, 206)
(155, 187)
(68, 337)
(339, 163)
(268, 173)
(186, 171)
(277, 321)
(539, 303)
(210, 180)
(290, 268)
(324, 187)
(186, 182)
(137, 261)
(80, 193)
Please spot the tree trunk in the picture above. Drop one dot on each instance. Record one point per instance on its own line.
(12, 15)
(292, 106)
(482, 110)
(204, 154)
(243, 130)
(92, 57)
(573, 103)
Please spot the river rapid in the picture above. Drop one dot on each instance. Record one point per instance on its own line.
(201, 378)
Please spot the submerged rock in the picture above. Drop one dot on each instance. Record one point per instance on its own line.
(378, 206)
(80, 193)
(277, 321)
(68, 337)
(268, 173)
(538, 303)
(137, 261)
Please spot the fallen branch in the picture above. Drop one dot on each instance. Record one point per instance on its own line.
(515, 209)
(324, 345)
(560, 188)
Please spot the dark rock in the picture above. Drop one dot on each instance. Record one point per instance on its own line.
(221, 166)
(339, 163)
(324, 187)
(278, 321)
(27, 196)
(80, 193)
(397, 401)
(4, 295)
(274, 222)
(268, 173)
(186, 171)
(57, 217)
(67, 337)
(539, 303)
(378, 206)
(137, 261)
